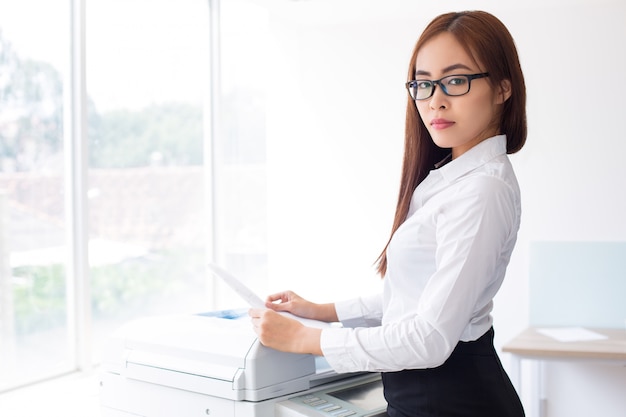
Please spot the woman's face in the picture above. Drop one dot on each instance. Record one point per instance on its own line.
(456, 122)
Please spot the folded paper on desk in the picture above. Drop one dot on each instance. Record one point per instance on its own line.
(571, 334)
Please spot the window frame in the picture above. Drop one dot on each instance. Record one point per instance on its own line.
(75, 143)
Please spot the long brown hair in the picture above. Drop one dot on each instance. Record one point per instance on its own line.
(487, 40)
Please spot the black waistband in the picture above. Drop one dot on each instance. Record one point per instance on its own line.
(482, 345)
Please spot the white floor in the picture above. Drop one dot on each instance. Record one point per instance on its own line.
(75, 395)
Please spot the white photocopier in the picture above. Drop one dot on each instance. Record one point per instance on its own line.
(212, 364)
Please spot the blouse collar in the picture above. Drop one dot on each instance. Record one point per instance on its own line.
(478, 155)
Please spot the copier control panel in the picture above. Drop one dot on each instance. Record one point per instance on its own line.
(358, 399)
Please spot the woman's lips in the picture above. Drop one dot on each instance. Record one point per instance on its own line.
(441, 123)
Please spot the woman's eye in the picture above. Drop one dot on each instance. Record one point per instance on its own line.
(456, 81)
(424, 85)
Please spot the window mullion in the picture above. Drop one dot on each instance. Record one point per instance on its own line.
(212, 117)
(78, 288)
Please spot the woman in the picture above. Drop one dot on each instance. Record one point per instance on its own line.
(456, 223)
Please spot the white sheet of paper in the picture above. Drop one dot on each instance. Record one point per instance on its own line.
(254, 300)
(244, 292)
(571, 334)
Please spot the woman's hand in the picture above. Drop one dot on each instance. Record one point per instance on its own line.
(291, 302)
(283, 333)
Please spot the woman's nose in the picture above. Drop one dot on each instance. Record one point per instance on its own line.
(439, 99)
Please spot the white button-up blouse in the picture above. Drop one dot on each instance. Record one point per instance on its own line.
(445, 264)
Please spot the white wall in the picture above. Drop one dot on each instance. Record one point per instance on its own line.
(335, 132)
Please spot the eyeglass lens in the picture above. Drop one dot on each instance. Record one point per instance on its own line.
(453, 85)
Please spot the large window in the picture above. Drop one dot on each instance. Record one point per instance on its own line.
(174, 170)
(147, 66)
(34, 336)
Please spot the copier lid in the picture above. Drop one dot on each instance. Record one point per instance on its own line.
(216, 354)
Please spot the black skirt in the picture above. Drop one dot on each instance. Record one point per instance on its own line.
(471, 383)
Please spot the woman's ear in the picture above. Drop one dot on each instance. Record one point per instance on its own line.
(504, 92)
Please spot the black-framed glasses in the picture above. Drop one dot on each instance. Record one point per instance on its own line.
(451, 85)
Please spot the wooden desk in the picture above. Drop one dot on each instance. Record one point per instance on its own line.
(532, 345)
